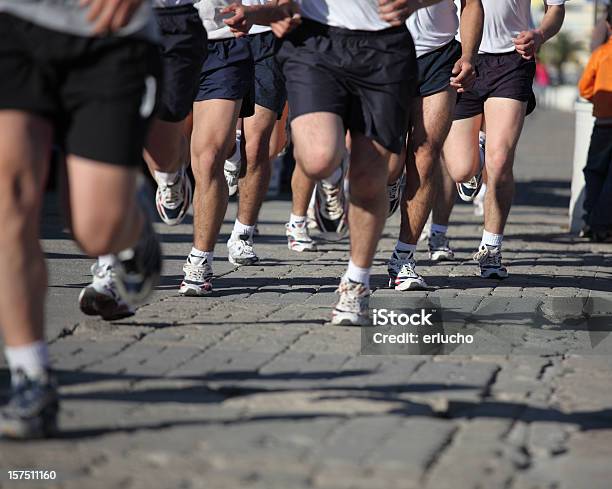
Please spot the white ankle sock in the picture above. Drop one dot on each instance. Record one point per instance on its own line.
(32, 359)
(358, 274)
(297, 221)
(197, 257)
(335, 177)
(438, 229)
(491, 239)
(404, 248)
(240, 229)
(106, 261)
(163, 178)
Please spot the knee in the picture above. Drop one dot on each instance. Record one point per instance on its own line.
(427, 159)
(20, 198)
(319, 162)
(499, 167)
(258, 151)
(208, 159)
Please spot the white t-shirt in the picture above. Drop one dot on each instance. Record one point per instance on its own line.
(257, 29)
(433, 27)
(348, 14)
(171, 3)
(504, 20)
(209, 11)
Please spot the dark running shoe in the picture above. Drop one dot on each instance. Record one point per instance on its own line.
(32, 409)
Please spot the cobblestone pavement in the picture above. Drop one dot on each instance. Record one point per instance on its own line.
(250, 388)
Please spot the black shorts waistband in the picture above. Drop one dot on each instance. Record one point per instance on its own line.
(324, 29)
(178, 10)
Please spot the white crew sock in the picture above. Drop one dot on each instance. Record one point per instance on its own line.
(437, 229)
(106, 261)
(358, 274)
(405, 248)
(335, 177)
(241, 229)
(197, 257)
(32, 359)
(297, 221)
(491, 239)
(163, 178)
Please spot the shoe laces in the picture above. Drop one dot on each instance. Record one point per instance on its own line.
(198, 273)
(488, 256)
(172, 195)
(243, 244)
(334, 202)
(353, 296)
(394, 189)
(299, 232)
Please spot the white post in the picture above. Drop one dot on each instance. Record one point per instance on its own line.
(582, 140)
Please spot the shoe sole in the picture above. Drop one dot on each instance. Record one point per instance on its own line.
(243, 262)
(92, 303)
(494, 275)
(189, 292)
(301, 249)
(410, 285)
(181, 217)
(441, 256)
(344, 320)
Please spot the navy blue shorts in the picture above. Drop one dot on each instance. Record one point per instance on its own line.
(183, 50)
(228, 74)
(367, 78)
(506, 75)
(436, 69)
(270, 91)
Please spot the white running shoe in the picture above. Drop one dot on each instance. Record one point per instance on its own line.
(298, 238)
(490, 260)
(100, 298)
(232, 166)
(439, 248)
(173, 201)
(240, 250)
(394, 192)
(402, 273)
(198, 279)
(330, 208)
(353, 307)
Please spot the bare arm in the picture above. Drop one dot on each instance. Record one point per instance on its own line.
(528, 42)
(281, 15)
(395, 12)
(472, 18)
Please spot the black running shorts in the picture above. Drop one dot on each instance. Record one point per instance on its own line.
(506, 75)
(183, 50)
(367, 78)
(436, 69)
(270, 91)
(99, 93)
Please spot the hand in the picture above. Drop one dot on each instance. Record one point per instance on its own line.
(291, 18)
(110, 15)
(464, 74)
(395, 12)
(527, 43)
(239, 23)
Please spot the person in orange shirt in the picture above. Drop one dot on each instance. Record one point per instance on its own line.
(596, 86)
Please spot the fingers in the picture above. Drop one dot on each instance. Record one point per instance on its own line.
(395, 12)
(109, 15)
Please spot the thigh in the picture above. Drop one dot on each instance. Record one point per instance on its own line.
(99, 192)
(214, 125)
(368, 158)
(461, 147)
(505, 118)
(259, 126)
(431, 120)
(25, 148)
(318, 140)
